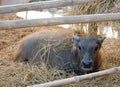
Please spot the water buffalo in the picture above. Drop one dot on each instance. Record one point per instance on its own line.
(58, 50)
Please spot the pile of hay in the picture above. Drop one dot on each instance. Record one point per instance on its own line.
(21, 75)
(97, 7)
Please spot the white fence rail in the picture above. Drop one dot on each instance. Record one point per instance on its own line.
(40, 5)
(11, 24)
(77, 78)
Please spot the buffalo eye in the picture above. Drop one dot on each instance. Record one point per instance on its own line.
(96, 48)
(79, 48)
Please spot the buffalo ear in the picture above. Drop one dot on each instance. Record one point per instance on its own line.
(101, 39)
(76, 39)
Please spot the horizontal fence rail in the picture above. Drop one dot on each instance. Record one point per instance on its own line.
(40, 5)
(11, 24)
(76, 79)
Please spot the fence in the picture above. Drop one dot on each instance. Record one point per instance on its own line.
(40, 5)
(76, 79)
(11, 24)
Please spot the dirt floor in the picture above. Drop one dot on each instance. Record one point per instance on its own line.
(21, 75)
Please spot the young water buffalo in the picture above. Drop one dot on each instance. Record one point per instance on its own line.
(55, 49)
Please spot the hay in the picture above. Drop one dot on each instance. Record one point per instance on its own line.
(100, 6)
(22, 74)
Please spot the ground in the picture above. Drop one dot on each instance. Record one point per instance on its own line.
(14, 74)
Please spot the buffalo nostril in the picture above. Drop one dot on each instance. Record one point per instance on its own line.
(87, 64)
